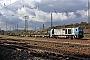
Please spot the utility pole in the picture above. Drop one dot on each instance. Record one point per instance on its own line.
(43, 26)
(51, 20)
(6, 25)
(89, 18)
(26, 23)
(17, 27)
(13, 28)
(35, 29)
(0, 28)
(10, 28)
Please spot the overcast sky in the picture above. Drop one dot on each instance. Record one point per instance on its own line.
(38, 12)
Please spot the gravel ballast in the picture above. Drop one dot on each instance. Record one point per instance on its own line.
(10, 54)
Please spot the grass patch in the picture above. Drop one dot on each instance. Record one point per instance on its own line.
(24, 38)
(86, 35)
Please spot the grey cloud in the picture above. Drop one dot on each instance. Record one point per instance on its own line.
(41, 9)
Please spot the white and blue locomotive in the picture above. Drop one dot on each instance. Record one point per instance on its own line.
(76, 33)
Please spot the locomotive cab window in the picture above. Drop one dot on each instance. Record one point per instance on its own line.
(76, 29)
(53, 31)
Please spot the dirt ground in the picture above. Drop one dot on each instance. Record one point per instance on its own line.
(76, 47)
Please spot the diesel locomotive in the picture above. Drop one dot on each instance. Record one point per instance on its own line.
(76, 33)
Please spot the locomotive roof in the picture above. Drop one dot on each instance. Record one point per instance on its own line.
(68, 28)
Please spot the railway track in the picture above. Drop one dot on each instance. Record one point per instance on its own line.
(49, 50)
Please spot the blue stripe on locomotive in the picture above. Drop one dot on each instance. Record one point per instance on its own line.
(76, 31)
